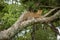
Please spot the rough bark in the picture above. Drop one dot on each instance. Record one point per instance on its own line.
(18, 25)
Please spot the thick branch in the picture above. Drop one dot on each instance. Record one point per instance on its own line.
(18, 26)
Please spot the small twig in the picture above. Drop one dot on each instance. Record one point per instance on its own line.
(53, 28)
(51, 11)
(50, 7)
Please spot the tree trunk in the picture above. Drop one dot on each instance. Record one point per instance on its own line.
(33, 32)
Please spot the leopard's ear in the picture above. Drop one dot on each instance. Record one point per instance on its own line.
(39, 12)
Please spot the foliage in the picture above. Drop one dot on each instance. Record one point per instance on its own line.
(45, 34)
(37, 3)
(9, 13)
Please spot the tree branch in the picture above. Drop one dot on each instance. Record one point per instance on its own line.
(51, 11)
(53, 28)
(50, 7)
(18, 26)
